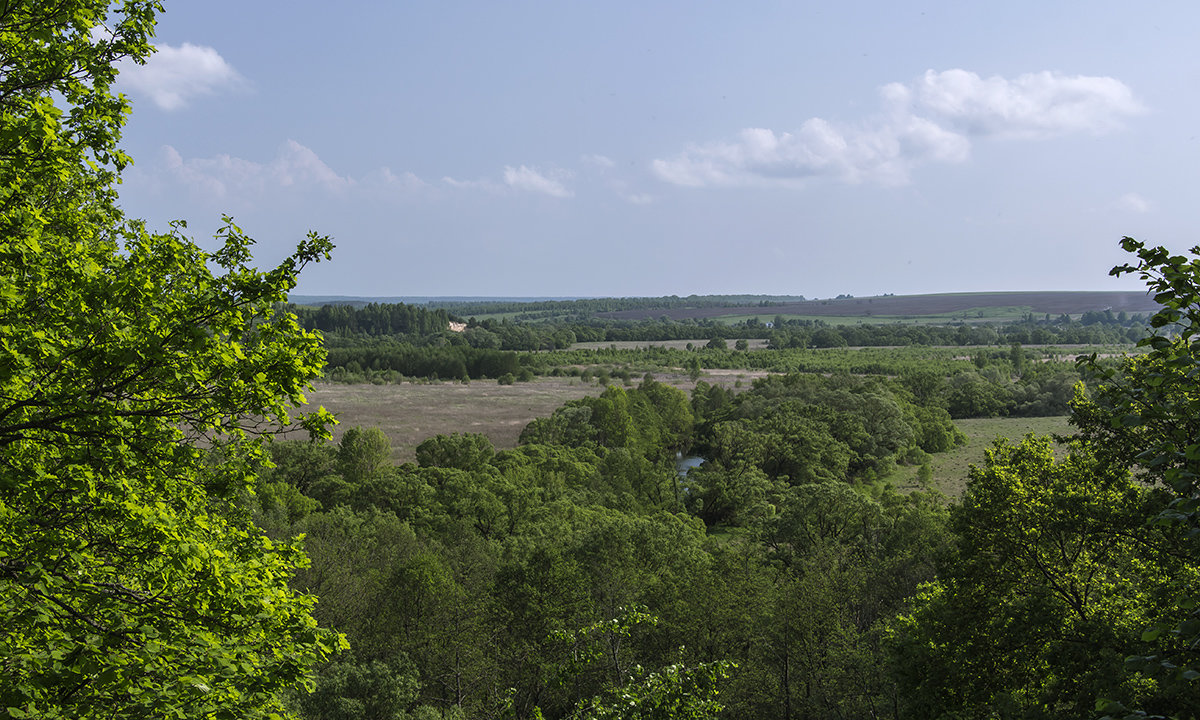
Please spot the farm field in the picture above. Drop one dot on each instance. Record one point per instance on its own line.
(969, 316)
(754, 343)
(994, 307)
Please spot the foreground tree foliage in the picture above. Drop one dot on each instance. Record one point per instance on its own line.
(1054, 578)
(139, 377)
(1146, 416)
(1071, 590)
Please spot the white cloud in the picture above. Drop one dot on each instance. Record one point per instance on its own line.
(175, 75)
(1132, 202)
(931, 120)
(597, 160)
(1031, 106)
(405, 181)
(884, 153)
(480, 184)
(533, 180)
(295, 166)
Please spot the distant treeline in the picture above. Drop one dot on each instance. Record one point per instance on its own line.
(785, 334)
(424, 326)
(356, 363)
(373, 319)
(389, 342)
(1092, 329)
(994, 382)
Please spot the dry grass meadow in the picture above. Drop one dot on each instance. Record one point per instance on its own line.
(410, 413)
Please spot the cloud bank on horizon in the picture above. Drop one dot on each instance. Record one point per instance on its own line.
(933, 119)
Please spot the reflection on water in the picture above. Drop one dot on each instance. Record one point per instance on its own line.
(683, 464)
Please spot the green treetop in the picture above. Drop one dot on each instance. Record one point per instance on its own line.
(139, 378)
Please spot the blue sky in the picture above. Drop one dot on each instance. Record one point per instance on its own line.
(650, 148)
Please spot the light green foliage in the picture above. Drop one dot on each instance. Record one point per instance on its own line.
(1053, 580)
(129, 581)
(58, 160)
(363, 453)
(466, 451)
(139, 379)
(1146, 415)
(676, 692)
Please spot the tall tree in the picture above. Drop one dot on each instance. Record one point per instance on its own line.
(139, 378)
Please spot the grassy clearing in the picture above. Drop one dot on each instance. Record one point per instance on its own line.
(950, 469)
(410, 413)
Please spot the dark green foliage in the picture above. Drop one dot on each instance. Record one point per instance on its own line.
(501, 575)
(358, 361)
(468, 451)
(807, 428)
(569, 425)
(349, 690)
(737, 496)
(374, 319)
(301, 463)
(535, 309)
